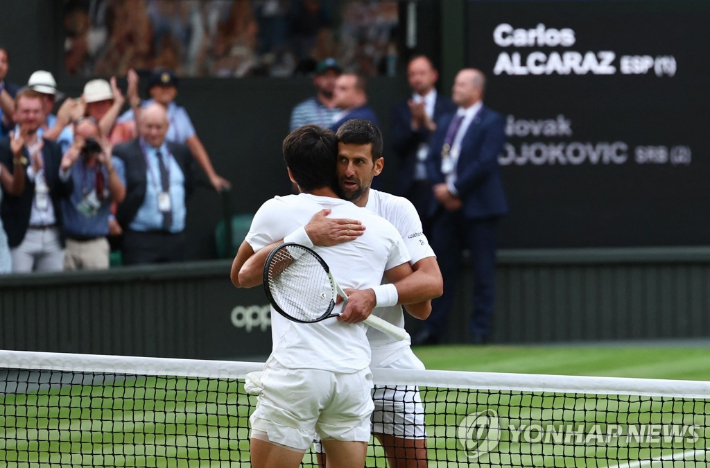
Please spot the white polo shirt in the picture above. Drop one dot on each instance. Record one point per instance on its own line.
(404, 217)
(330, 344)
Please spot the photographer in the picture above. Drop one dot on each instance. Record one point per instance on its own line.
(96, 185)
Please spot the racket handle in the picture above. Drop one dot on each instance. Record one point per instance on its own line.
(386, 327)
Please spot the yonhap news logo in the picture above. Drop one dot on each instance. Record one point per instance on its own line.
(480, 433)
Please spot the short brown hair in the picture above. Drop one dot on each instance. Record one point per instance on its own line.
(27, 93)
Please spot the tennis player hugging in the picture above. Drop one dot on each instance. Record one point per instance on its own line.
(317, 382)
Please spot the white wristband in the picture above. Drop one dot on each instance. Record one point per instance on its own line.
(386, 295)
(299, 236)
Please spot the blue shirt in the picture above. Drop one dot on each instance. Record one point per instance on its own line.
(180, 128)
(80, 220)
(311, 111)
(149, 217)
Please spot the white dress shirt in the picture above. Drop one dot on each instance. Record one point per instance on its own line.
(468, 115)
(429, 104)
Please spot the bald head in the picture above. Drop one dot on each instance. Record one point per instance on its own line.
(469, 86)
(154, 124)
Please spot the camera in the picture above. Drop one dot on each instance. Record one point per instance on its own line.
(91, 146)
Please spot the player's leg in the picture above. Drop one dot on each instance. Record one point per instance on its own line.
(344, 423)
(265, 454)
(398, 418)
(403, 453)
(283, 423)
(342, 454)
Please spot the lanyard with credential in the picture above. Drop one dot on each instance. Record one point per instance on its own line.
(166, 161)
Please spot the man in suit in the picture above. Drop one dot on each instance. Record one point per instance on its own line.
(350, 97)
(157, 177)
(413, 122)
(33, 219)
(463, 167)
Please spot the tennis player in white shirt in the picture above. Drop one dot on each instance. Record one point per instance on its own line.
(398, 418)
(317, 379)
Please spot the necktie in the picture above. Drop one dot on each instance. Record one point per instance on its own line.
(453, 130)
(165, 187)
(447, 164)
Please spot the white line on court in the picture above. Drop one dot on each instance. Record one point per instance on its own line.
(651, 462)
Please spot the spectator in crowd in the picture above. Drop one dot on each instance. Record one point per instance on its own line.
(54, 127)
(162, 87)
(463, 168)
(413, 122)
(350, 97)
(157, 177)
(8, 91)
(320, 109)
(86, 211)
(14, 184)
(33, 218)
(104, 101)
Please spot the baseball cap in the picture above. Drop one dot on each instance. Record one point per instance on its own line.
(162, 77)
(328, 64)
(97, 90)
(43, 82)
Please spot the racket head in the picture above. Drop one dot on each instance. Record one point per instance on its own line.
(298, 284)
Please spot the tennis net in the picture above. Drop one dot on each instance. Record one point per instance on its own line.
(61, 410)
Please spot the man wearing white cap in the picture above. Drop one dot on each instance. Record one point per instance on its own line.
(43, 82)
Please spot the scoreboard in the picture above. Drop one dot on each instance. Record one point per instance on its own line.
(607, 106)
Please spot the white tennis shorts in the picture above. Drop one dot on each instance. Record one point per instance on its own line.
(296, 404)
(398, 409)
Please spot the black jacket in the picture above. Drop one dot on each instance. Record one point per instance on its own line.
(15, 210)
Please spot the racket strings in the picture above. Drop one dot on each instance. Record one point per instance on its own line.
(299, 284)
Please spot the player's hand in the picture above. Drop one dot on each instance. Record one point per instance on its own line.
(325, 232)
(359, 306)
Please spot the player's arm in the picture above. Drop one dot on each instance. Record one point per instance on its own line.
(243, 254)
(250, 273)
(425, 284)
(420, 309)
(321, 230)
(415, 291)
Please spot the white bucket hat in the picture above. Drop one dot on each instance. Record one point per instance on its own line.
(97, 90)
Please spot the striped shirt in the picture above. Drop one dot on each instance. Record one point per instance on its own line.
(311, 111)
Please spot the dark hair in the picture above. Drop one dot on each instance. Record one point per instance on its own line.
(361, 132)
(7, 52)
(420, 56)
(310, 153)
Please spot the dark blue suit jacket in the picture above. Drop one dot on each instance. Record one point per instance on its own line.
(405, 141)
(17, 209)
(478, 179)
(362, 112)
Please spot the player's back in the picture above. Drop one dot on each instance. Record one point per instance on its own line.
(329, 344)
(360, 264)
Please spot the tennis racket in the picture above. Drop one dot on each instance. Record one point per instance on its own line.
(300, 286)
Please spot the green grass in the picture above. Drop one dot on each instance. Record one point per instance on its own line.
(178, 422)
(649, 363)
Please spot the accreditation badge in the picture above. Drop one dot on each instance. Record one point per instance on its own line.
(164, 205)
